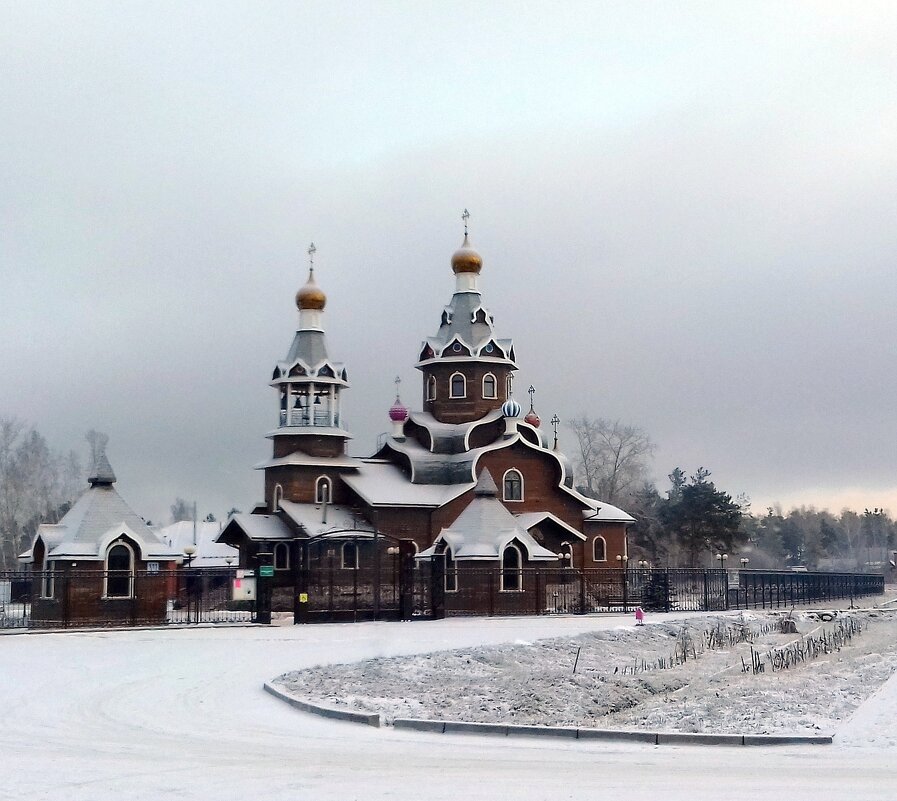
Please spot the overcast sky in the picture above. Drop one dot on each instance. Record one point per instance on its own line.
(687, 213)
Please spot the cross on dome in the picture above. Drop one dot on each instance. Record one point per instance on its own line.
(465, 216)
(398, 412)
(311, 296)
(531, 417)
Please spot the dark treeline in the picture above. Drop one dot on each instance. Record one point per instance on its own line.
(693, 521)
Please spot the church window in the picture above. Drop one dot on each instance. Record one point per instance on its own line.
(511, 574)
(456, 347)
(489, 348)
(457, 386)
(48, 583)
(509, 386)
(281, 556)
(599, 549)
(451, 571)
(350, 556)
(488, 385)
(322, 490)
(431, 388)
(513, 485)
(278, 497)
(119, 571)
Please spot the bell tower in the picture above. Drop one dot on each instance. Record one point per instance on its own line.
(309, 383)
(467, 371)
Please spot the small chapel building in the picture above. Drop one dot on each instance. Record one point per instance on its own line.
(101, 564)
(465, 480)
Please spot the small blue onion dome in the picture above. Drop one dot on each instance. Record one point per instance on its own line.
(510, 408)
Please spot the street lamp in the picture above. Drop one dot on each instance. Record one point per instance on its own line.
(722, 559)
(744, 562)
(623, 560)
(189, 555)
(644, 564)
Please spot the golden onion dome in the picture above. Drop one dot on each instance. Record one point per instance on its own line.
(466, 259)
(311, 296)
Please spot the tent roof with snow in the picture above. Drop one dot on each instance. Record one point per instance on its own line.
(98, 517)
(485, 528)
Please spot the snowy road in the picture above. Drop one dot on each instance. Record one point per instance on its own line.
(181, 715)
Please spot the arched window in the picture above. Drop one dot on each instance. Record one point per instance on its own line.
(599, 549)
(489, 386)
(119, 571)
(457, 386)
(350, 556)
(511, 574)
(322, 490)
(513, 485)
(48, 582)
(278, 497)
(431, 388)
(509, 386)
(281, 556)
(451, 571)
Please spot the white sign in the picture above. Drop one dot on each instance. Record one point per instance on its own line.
(152, 567)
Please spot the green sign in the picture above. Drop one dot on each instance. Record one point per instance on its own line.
(266, 571)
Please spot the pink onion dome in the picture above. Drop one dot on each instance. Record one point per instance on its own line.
(532, 418)
(398, 412)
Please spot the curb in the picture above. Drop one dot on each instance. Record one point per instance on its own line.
(324, 711)
(20, 631)
(653, 738)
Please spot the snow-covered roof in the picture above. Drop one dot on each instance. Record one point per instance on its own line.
(442, 468)
(450, 437)
(530, 519)
(467, 321)
(259, 527)
(209, 552)
(605, 513)
(304, 460)
(317, 431)
(381, 483)
(97, 518)
(485, 528)
(315, 520)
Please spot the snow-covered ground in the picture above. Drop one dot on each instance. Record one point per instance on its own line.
(666, 676)
(180, 714)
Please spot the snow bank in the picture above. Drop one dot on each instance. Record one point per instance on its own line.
(663, 676)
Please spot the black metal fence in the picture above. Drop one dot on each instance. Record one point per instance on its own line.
(85, 598)
(538, 591)
(338, 583)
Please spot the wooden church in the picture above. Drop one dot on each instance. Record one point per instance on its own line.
(466, 483)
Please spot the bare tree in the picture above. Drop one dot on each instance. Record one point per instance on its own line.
(613, 457)
(36, 484)
(181, 510)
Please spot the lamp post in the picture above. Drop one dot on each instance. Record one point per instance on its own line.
(722, 557)
(624, 564)
(189, 556)
(744, 562)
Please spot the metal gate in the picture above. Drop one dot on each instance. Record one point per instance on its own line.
(353, 574)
